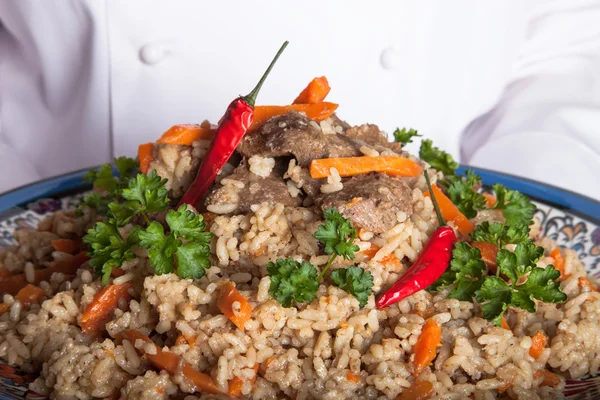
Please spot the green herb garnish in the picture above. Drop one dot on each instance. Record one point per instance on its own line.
(499, 234)
(438, 159)
(292, 281)
(404, 136)
(462, 193)
(356, 281)
(516, 207)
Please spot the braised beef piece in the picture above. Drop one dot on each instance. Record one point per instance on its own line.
(373, 137)
(256, 190)
(371, 201)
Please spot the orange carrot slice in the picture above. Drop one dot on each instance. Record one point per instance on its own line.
(30, 294)
(145, 156)
(505, 324)
(13, 284)
(451, 212)
(389, 259)
(315, 92)
(559, 263)
(317, 112)
(230, 295)
(65, 245)
(101, 309)
(352, 377)
(170, 362)
(538, 343)
(350, 166)
(489, 252)
(425, 349)
(419, 390)
(4, 273)
(186, 134)
(490, 199)
(236, 384)
(550, 379)
(584, 282)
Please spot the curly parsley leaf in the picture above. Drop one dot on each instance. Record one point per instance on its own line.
(438, 159)
(188, 225)
(515, 206)
(338, 234)
(192, 260)
(542, 284)
(107, 249)
(161, 248)
(466, 271)
(405, 136)
(128, 168)
(149, 190)
(462, 193)
(292, 281)
(496, 296)
(499, 234)
(94, 200)
(356, 281)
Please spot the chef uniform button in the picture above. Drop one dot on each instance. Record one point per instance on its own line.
(390, 58)
(154, 53)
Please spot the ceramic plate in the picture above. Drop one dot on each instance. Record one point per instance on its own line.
(570, 219)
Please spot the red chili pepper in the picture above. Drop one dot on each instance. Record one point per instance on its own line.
(430, 265)
(232, 127)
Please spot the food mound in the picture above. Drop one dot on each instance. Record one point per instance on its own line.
(312, 266)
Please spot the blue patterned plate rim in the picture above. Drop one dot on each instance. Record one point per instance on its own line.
(583, 206)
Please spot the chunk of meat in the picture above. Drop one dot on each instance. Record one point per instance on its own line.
(373, 137)
(256, 190)
(371, 201)
(293, 134)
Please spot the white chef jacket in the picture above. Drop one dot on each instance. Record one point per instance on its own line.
(510, 85)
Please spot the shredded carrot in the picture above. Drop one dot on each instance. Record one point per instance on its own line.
(419, 390)
(101, 309)
(186, 134)
(236, 384)
(170, 362)
(268, 362)
(352, 377)
(315, 92)
(559, 262)
(505, 324)
(30, 294)
(425, 349)
(317, 112)
(538, 343)
(489, 252)
(388, 259)
(343, 324)
(584, 282)
(65, 245)
(230, 295)
(450, 212)
(550, 379)
(145, 156)
(180, 340)
(350, 166)
(13, 284)
(490, 199)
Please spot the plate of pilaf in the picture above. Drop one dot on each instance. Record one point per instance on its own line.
(286, 254)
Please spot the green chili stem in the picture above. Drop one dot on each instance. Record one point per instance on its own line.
(433, 200)
(250, 98)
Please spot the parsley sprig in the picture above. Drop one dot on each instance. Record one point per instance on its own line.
(405, 136)
(515, 206)
(462, 191)
(526, 282)
(500, 234)
(293, 281)
(438, 159)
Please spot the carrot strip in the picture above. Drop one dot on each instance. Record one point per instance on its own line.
(236, 384)
(389, 259)
(488, 254)
(145, 156)
(317, 112)
(505, 324)
(315, 92)
(13, 284)
(101, 309)
(186, 134)
(230, 295)
(419, 390)
(65, 245)
(180, 340)
(169, 362)
(450, 212)
(350, 166)
(538, 343)
(426, 347)
(490, 199)
(584, 282)
(550, 379)
(559, 263)
(352, 377)
(4, 273)
(30, 294)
